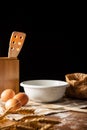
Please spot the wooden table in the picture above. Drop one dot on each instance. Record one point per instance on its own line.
(70, 120)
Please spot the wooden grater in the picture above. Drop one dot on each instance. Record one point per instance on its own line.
(16, 43)
(9, 66)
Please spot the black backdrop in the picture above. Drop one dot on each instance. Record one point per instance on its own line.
(46, 54)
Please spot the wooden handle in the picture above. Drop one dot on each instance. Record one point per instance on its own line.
(16, 43)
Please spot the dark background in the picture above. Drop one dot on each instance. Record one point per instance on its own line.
(50, 51)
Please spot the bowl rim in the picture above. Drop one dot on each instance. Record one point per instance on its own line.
(27, 84)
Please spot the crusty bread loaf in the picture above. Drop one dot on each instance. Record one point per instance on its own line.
(78, 85)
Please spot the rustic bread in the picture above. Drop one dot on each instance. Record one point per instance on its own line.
(78, 85)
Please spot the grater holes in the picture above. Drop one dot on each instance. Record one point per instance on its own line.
(12, 48)
(13, 42)
(15, 36)
(21, 37)
(18, 49)
(19, 43)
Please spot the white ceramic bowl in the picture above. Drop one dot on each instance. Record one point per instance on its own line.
(44, 90)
